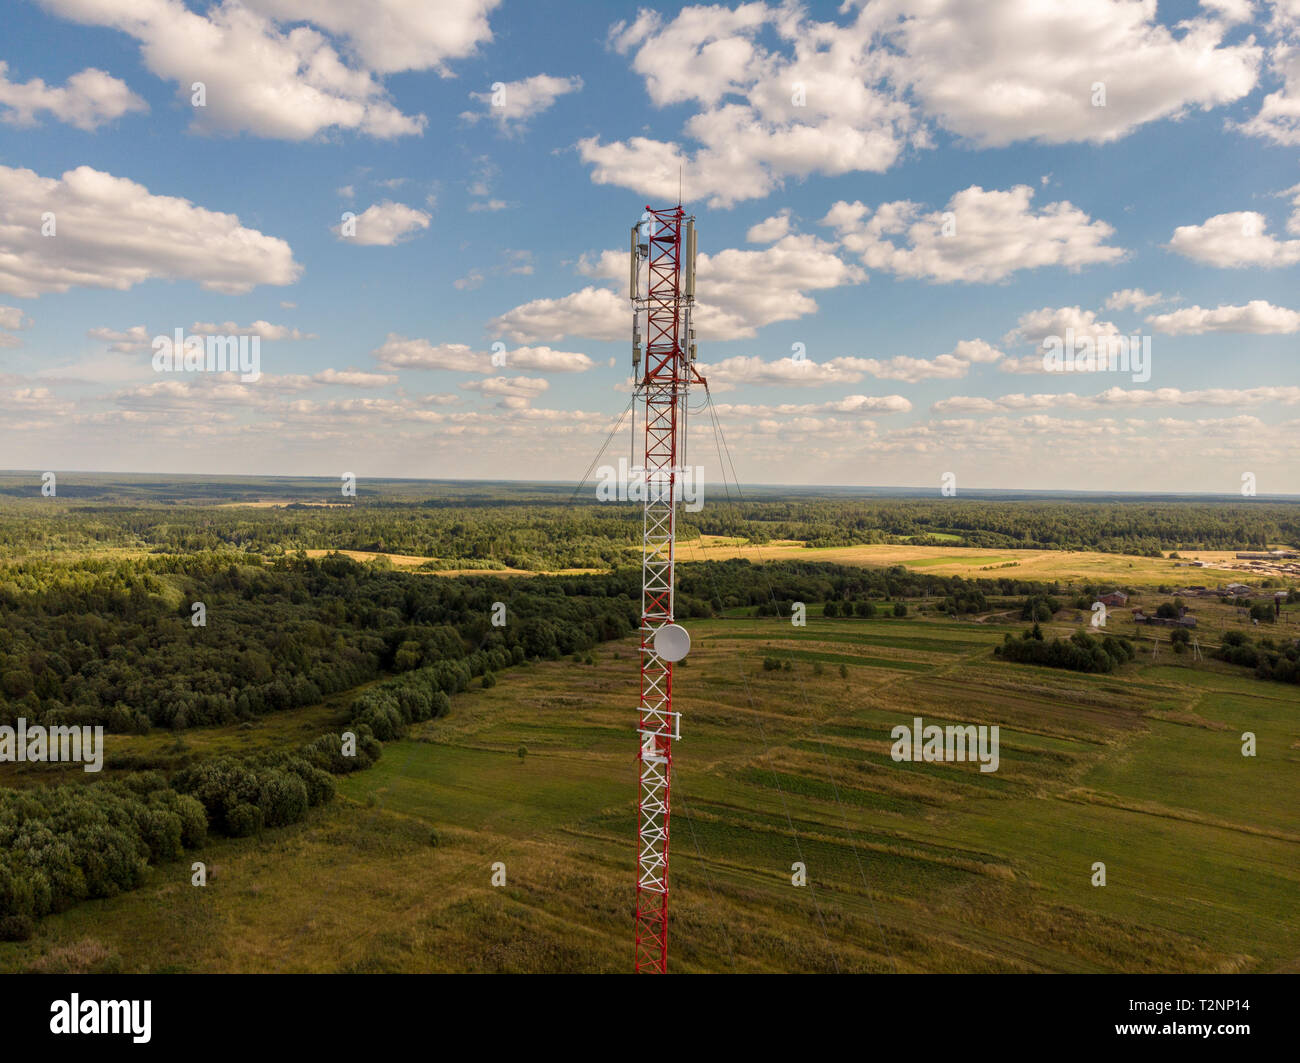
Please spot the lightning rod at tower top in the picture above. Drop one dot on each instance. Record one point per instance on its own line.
(663, 369)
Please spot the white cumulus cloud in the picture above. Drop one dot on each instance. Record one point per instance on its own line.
(353, 378)
(1037, 325)
(114, 233)
(982, 236)
(88, 100)
(779, 95)
(511, 103)
(1257, 316)
(593, 313)
(383, 224)
(1234, 240)
(264, 329)
(997, 73)
(1123, 398)
(259, 76)
(1132, 298)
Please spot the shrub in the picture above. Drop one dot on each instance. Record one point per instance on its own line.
(326, 752)
(16, 927)
(1039, 607)
(161, 833)
(1081, 652)
(317, 783)
(284, 799)
(242, 796)
(243, 820)
(1235, 648)
(380, 710)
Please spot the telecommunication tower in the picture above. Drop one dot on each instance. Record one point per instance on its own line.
(663, 248)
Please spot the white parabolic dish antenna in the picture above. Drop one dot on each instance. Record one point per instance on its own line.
(672, 642)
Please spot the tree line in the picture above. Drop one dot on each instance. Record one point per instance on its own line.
(546, 533)
(61, 845)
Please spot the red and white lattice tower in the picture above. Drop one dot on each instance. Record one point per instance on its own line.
(664, 242)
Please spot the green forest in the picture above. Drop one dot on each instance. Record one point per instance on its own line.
(540, 528)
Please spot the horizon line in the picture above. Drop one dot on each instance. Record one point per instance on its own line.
(182, 477)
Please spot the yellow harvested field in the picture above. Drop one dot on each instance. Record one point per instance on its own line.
(413, 561)
(1083, 565)
(399, 560)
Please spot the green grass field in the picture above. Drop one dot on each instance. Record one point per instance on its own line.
(910, 867)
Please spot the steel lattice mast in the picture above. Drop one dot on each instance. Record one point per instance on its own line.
(665, 242)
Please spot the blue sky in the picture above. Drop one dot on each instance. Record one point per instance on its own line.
(821, 223)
